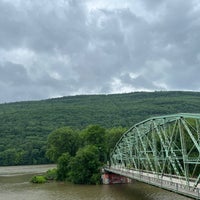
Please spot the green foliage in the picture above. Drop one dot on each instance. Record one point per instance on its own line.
(25, 126)
(112, 136)
(51, 174)
(63, 166)
(38, 179)
(85, 166)
(95, 135)
(60, 141)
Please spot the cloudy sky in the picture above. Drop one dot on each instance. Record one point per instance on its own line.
(52, 48)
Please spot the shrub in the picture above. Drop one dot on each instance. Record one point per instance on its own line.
(51, 174)
(38, 179)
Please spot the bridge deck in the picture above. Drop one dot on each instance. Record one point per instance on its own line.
(166, 182)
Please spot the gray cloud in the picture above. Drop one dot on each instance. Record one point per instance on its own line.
(65, 47)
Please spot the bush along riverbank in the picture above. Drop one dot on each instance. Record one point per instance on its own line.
(38, 179)
(50, 175)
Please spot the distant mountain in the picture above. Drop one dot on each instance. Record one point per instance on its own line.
(24, 126)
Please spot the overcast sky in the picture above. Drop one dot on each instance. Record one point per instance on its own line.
(52, 48)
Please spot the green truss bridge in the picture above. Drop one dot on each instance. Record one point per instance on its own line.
(162, 151)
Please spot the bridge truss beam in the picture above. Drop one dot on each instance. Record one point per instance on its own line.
(166, 145)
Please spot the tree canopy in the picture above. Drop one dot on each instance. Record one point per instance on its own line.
(62, 140)
(25, 126)
(82, 166)
(85, 166)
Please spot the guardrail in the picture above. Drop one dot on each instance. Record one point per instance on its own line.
(174, 184)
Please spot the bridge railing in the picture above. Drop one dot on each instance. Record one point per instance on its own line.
(172, 184)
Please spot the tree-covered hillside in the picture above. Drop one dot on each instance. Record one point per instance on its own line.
(24, 126)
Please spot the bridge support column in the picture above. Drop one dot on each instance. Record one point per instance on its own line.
(111, 178)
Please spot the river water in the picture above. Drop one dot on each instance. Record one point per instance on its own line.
(15, 185)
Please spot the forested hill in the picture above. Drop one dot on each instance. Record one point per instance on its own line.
(24, 126)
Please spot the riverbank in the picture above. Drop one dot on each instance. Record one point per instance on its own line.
(25, 169)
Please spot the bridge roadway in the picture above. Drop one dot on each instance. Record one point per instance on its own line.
(172, 183)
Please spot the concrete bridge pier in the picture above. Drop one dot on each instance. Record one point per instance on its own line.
(111, 178)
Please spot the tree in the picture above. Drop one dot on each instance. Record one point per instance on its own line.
(85, 166)
(95, 135)
(62, 140)
(8, 157)
(112, 137)
(63, 166)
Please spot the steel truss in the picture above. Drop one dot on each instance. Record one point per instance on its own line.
(165, 145)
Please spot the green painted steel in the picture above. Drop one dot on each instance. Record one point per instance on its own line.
(167, 145)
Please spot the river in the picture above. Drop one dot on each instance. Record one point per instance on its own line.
(15, 185)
